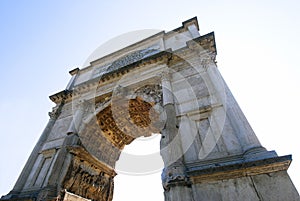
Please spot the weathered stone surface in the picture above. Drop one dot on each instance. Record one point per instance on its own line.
(60, 128)
(268, 187)
(275, 186)
(226, 190)
(88, 181)
(168, 84)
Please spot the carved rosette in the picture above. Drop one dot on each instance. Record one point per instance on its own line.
(111, 131)
(129, 113)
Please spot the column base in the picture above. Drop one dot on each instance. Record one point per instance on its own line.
(258, 153)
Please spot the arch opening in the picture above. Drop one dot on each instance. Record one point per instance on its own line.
(139, 171)
(121, 119)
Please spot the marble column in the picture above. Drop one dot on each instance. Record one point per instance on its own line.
(174, 178)
(242, 129)
(71, 139)
(35, 153)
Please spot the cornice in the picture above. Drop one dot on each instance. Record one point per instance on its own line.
(185, 25)
(65, 95)
(74, 71)
(235, 169)
(206, 42)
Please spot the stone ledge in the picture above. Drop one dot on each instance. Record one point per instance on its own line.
(239, 168)
(84, 155)
(60, 96)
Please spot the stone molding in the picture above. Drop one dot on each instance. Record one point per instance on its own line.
(206, 42)
(83, 154)
(111, 110)
(175, 175)
(235, 167)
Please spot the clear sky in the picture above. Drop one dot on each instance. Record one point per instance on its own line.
(40, 41)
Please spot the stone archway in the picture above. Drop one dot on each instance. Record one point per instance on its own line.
(171, 77)
(116, 122)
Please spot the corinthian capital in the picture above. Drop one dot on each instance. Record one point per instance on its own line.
(55, 111)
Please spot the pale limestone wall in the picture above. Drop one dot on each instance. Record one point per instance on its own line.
(268, 187)
(192, 93)
(41, 170)
(59, 130)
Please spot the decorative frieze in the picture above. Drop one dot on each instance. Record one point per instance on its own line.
(131, 58)
(86, 180)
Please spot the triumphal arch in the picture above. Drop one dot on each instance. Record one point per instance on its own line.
(169, 84)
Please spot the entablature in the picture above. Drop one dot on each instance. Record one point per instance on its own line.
(169, 57)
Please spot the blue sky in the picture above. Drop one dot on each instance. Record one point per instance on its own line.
(41, 41)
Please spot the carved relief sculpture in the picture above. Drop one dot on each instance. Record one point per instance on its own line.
(168, 84)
